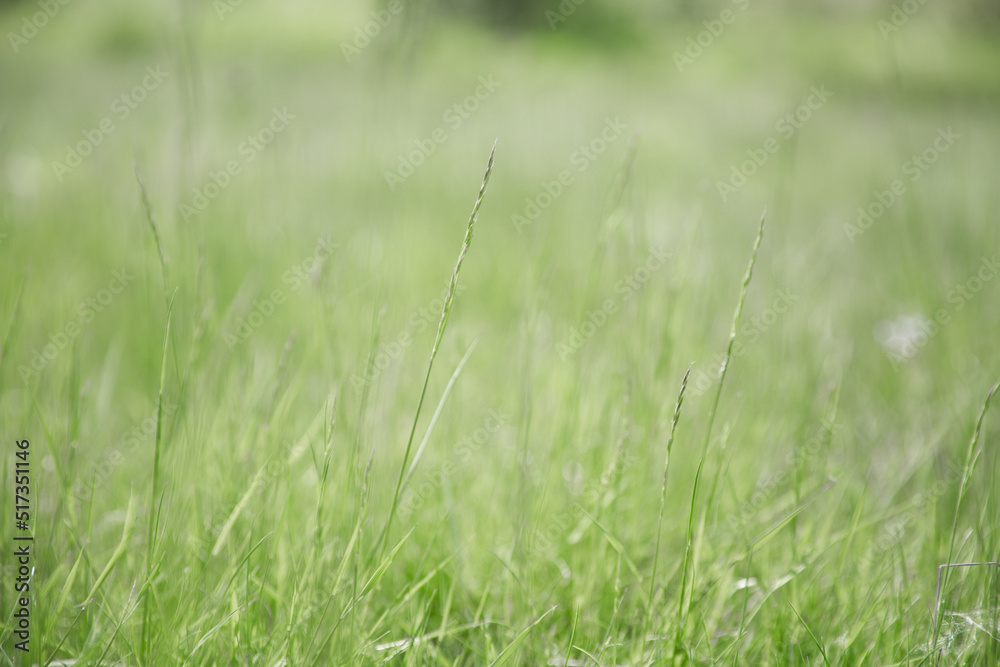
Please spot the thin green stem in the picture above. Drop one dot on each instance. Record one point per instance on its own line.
(663, 501)
(445, 314)
(686, 563)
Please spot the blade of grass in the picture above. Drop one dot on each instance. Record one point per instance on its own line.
(971, 459)
(686, 563)
(126, 614)
(437, 412)
(369, 585)
(14, 312)
(118, 552)
(572, 636)
(67, 586)
(743, 611)
(151, 221)
(663, 501)
(157, 444)
(811, 634)
(508, 652)
(445, 314)
(323, 472)
(153, 509)
(238, 509)
(615, 543)
(407, 596)
(762, 539)
(379, 571)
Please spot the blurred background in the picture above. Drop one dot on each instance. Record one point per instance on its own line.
(386, 112)
(310, 166)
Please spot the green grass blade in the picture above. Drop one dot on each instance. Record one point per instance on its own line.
(971, 459)
(118, 552)
(509, 651)
(445, 314)
(663, 501)
(437, 412)
(151, 221)
(153, 505)
(686, 562)
(8, 332)
(811, 634)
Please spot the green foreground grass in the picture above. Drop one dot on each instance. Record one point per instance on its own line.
(228, 422)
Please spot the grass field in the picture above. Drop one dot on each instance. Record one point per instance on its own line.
(239, 453)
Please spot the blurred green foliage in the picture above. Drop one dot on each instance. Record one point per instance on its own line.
(596, 418)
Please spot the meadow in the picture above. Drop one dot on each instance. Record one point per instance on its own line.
(339, 337)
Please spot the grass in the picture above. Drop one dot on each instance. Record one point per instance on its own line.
(449, 300)
(232, 460)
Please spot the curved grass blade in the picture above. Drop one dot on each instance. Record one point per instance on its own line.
(663, 501)
(686, 563)
(449, 299)
(508, 652)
